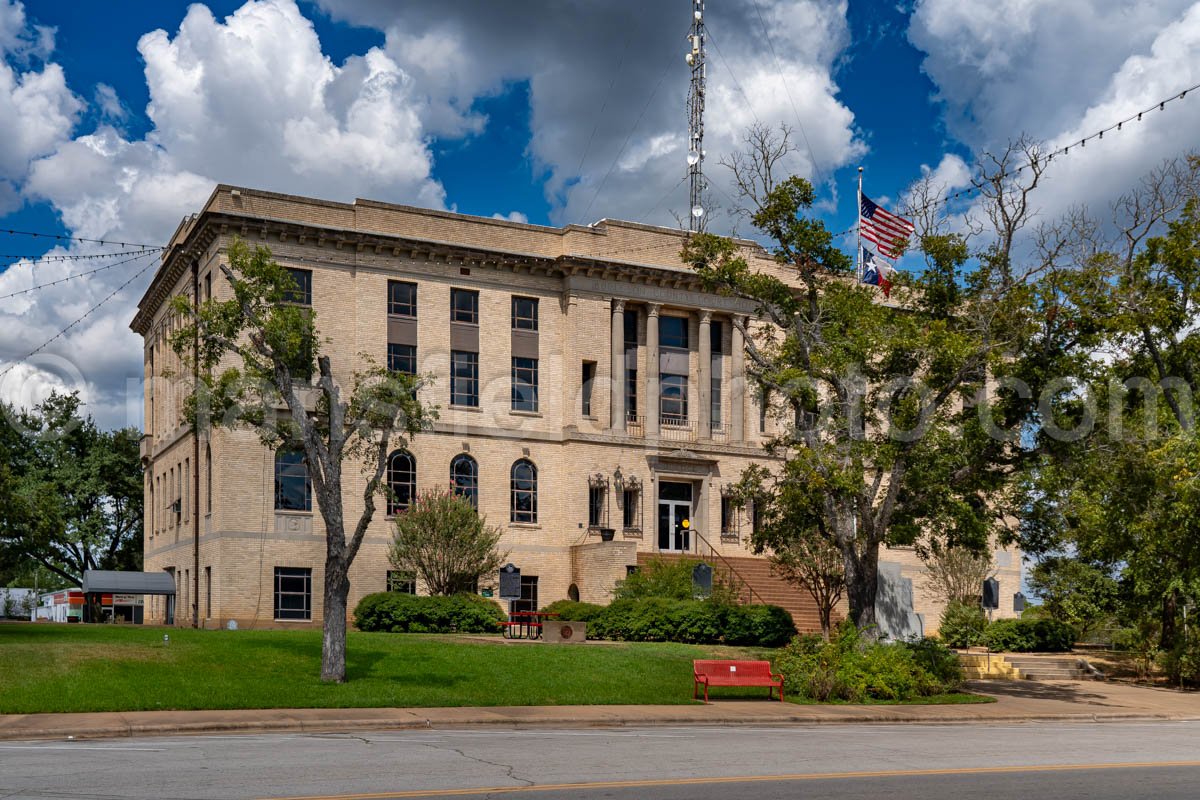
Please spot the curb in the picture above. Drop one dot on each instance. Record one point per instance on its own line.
(337, 725)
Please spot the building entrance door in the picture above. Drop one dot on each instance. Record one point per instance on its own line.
(674, 516)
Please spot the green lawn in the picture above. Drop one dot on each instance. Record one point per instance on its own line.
(48, 668)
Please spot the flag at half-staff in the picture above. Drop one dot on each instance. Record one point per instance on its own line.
(876, 271)
(889, 232)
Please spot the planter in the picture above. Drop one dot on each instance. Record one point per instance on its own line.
(607, 534)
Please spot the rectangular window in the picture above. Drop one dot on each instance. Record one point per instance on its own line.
(464, 379)
(524, 384)
(674, 402)
(715, 373)
(301, 295)
(208, 592)
(464, 306)
(402, 358)
(589, 379)
(728, 516)
(673, 332)
(596, 497)
(631, 517)
(401, 581)
(293, 593)
(293, 489)
(402, 299)
(524, 314)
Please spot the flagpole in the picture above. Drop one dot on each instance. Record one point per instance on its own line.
(858, 229)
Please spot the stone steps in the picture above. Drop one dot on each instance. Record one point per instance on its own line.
(1048, 669)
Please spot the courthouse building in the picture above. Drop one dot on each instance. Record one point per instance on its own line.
(585, 381)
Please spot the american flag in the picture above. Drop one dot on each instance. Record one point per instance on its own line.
(888, 231)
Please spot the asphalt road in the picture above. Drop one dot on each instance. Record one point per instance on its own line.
(1097, 761)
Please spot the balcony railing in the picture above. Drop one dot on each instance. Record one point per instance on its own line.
(673, 428)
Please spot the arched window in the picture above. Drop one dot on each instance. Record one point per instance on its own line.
(402, 480)
(524, 491)
(464, 478)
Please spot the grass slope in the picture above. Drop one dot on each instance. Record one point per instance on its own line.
(49, 668)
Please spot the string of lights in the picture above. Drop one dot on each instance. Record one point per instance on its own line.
(73, 256)
(60, 237)
(78, 275)
(78, 319)
(1048, 157)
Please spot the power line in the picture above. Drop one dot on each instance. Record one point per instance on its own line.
(604, 105)
(64, 238)
(73, 257)
(78, 320)
(737, 85)
(787, 89)
(645, 108)
(77, 275)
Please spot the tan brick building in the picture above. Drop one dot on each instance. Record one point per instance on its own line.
(583, 377)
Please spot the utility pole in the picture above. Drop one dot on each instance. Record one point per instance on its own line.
(695, 157)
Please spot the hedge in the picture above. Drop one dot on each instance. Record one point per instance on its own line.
(394, 612)
(855, 669)
(1029, 636)
(664, 619)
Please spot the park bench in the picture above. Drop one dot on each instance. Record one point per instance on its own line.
(735, 673)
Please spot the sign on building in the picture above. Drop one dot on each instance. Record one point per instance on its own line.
(510, 582)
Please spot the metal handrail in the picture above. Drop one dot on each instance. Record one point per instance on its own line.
(753, 594)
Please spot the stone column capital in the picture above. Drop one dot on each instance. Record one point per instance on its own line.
(618, 305)
(652, 309)
(705, 316)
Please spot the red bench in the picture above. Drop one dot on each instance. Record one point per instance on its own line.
(735, 673)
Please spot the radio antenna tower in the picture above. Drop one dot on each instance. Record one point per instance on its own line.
(695, 157)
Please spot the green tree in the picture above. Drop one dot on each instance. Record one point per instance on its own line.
(70, 493)
(881, 442)
(444, 540)
(1072, 591)
(252, 356)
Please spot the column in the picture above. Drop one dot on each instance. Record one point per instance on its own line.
(652, 368)
(617, 396)
(737, 384)
(704, 417)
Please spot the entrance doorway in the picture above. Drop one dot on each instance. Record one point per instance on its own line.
(674, 516)
(529, 595)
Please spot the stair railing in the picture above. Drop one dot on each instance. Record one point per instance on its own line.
(713, 553)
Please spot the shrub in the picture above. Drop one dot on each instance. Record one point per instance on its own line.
(673, 579)
(1182, 662)
(1029, 636)
(663, 619)
(850, 668)
(574, 610)
(443, 539)
(962, 625)
(405, 613)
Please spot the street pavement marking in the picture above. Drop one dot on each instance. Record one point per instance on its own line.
(812, 776)
(78, 748)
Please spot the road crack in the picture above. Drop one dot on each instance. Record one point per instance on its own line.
(509, 769)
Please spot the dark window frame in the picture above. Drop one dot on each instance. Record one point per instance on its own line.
(631, 508)
(291, 465)
(402, 299)
(401, 480)
(524, 384)
(587, 385)
(524, 319)
(523, 492)
(668, 338)
(402, 358)
(467, 314)
(303, 612)
(464, 389)
(672, 409)
(302, 295)
(401, 581)
(597, 506)
(465, 483)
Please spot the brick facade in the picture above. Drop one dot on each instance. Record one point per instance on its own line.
(582, 277)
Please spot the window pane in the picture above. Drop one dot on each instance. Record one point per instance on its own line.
(525, 384)
(595, 506)
(302, 293)
(464, 306)
(633, 503)
(402, 299)
(525, 313)
(673, 332)
(293, 490)
(673, 402)
(402, 480)
(524, 492)
(464, 378)
(464, 478)
(293, 593)
(402, 358)
(589, 377)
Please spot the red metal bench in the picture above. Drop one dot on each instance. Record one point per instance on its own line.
(735, 673)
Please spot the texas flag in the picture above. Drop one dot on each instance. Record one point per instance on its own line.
(876, 271)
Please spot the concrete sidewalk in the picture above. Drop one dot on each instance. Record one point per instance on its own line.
(1017, 701)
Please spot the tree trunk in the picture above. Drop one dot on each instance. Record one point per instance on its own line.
(1170, 607)
(862, 577)
(826, 624)
(333, 645)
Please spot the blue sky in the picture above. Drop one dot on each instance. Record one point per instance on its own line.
(117, 120)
